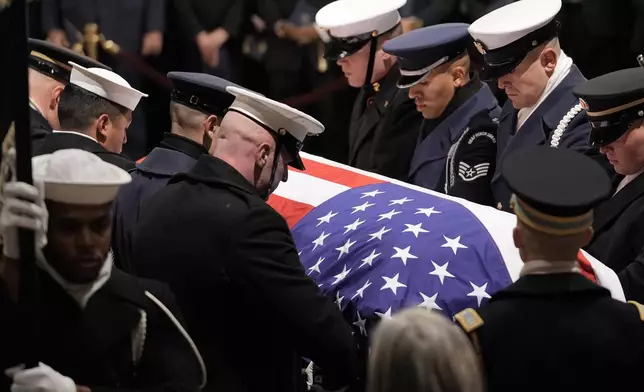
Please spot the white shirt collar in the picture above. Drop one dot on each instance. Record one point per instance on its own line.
(81, 293)
(77, 133)
(627, 180)
(543, 267)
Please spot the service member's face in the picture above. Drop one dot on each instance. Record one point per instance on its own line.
(433, 94)
(78, 240)
(626, 154)
(527, 82)
(355, 66)
(113, 132)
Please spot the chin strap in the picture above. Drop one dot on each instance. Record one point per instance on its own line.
(373, 48)
(278, 149)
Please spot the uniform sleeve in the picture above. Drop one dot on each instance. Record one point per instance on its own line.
(474, 163)
(632, 279)
(155, 15)
(392, 156)
(51, 15)
(272, 269)
(168, 364)
(234, 18)
(188, 18)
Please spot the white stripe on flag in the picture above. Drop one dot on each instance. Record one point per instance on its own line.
(307, 189)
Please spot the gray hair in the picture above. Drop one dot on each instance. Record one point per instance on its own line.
(422, 351)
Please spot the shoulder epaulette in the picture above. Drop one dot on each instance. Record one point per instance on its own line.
(640, 308)
(469, 319)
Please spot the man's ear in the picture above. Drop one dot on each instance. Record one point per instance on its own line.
(518, 239)
(263, 154)
(211, 132)
(103, 124)
(55, 97)
(548, 60)
(459, 76)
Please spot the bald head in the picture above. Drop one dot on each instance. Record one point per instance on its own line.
(250, 149)
(45, 92)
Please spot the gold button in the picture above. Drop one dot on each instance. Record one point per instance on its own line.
(499, 206)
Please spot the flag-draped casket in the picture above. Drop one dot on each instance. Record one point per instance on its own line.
(377, 245)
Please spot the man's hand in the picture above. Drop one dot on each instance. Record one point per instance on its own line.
(40, 379)
(152, 43)
(301, 35)
(58, 37)
(411, 23)
(23, 207)
(209, 45)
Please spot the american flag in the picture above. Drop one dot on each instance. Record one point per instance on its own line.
(387, 247)
(377, 245)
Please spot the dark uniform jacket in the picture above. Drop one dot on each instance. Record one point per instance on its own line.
(538, 130)
(618, 239)
(94, 346)
(458, 155)
(231, 261)
(384, 130)
(62, 140)
(176, 154)
(40, 128)
(557, 332)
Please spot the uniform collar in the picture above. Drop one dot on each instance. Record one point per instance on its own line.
(385, 86)
(551, 285)
(214, 171)
(182, 144)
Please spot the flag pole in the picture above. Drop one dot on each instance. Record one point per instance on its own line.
(15, 99)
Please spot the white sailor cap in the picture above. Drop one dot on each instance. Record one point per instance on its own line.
(289, 125)
(506, 35)
(352, 23)
(106, 84)
(75, 176)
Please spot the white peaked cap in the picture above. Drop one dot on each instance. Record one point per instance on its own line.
(349, 18)
(274, 115)
(507, 24)
(75, 176)
(106, 84)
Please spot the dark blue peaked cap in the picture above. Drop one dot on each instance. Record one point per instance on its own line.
(422, 50)
(203, 92)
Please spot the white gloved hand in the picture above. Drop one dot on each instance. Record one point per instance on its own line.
(39, 379)
(23, 206)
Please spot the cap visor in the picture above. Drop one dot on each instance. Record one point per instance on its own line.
(601, 137)
(409, 81)
(297, 163)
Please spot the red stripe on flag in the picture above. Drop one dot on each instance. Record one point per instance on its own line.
(291, 210)
(337, 175)
(586, 267)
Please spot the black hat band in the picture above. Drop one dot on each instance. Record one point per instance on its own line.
(609, 125)
(49, 68)
(339, 48)
(198, 103)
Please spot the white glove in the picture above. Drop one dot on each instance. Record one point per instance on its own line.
(23, 206)
(39, 379)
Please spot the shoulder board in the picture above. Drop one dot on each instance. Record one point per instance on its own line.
(640, 308)
(469, 319)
